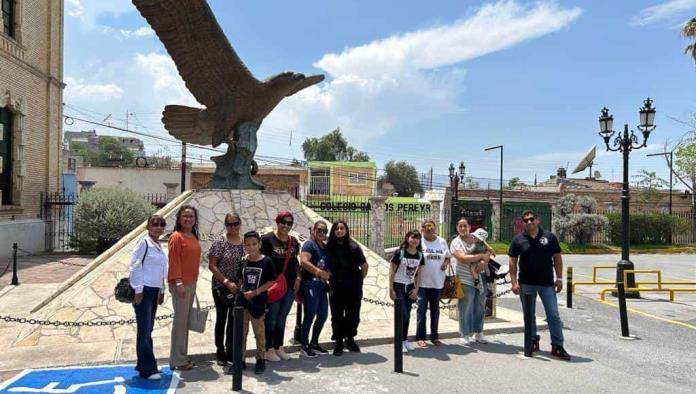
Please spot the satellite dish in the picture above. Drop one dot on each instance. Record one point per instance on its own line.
(587, 160)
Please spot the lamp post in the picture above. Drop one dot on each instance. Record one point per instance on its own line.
(626, 142)
(671, 162)
(500, 195)
(455, 178)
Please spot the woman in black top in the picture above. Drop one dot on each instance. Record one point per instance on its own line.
(223, 261)
(275, 246)
(348, 268)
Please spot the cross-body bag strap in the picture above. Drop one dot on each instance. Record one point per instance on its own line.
(288, 252)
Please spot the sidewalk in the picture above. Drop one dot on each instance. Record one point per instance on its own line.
(43, 268)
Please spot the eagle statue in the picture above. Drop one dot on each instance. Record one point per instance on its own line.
(235, 101)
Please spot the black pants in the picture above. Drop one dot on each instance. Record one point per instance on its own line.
(224, 325)
(345, 300)
(402, 291)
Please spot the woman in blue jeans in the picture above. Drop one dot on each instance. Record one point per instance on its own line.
(275, 245)
(314, 289)
(147, 272)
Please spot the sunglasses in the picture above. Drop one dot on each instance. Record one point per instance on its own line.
(158, 224)
(528, 220)
(287, 222)
(322, 231)
(232, 224)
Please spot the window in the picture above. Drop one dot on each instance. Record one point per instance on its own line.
(6, 156)
(8, 15)
(357, 178)
(72, 164)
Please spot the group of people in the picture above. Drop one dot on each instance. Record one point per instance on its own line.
(267, 274)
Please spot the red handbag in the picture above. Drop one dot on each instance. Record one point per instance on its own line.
(280, 287)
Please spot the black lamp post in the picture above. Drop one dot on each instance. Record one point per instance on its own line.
(626, 142)
(455, 178)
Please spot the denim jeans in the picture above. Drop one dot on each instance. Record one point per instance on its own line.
(315, 299)
(275, 320)
(548, 299)
(402, 291)
(145, 317)
(471, 309)
(428, 298)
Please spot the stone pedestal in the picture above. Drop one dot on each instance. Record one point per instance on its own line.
(377, 209)
(171, 190)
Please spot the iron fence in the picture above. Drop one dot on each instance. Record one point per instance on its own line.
(354, 210)
(400, 218)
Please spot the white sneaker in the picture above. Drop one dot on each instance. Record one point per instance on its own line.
(409, 346)
(480, 338)
(155, 376)
(271, 355)
(465, 340)
(404, 349)
(281, 353)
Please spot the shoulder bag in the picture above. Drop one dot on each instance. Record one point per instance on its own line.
(280, 287)
(123, 290)
(452, 288)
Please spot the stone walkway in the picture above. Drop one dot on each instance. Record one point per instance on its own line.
(43, 268)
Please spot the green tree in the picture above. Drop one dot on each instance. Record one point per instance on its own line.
(403, 176)
(575, 220)
(649, 183)
(112, 151)
(89, 156)
(331, 147)
(689, 32)
(514, 182)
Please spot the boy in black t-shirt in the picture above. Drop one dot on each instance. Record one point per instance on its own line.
(257, 274)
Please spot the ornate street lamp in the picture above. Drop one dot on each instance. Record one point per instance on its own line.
(626, 142)
(455, 178)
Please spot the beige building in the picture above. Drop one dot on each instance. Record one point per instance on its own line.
(31, 95)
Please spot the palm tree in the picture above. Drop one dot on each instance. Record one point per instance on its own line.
(689, 31)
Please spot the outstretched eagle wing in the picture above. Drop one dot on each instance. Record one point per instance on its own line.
(204, 57)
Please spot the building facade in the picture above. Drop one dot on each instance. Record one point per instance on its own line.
(31, 95)
(344, 178)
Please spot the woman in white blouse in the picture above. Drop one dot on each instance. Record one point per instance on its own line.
(147, 273)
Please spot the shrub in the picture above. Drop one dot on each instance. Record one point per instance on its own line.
(575, 221)
(646, 228)
(103, 215)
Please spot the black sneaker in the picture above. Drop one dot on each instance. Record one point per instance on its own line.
(352, 346)
(535, 343)
(319, 350)
(306, 351)
(260, 366)
(220, 358)
(559, 352)
(229, 368)
(338, 349)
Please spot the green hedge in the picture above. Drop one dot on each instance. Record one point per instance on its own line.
(646, 228)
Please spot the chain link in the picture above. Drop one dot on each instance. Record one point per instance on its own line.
(91, 323)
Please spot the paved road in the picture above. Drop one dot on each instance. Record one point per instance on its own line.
(661, 360)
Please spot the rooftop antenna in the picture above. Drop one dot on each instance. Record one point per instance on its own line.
(587, 161)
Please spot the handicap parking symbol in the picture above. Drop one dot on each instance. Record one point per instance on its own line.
(111, 379)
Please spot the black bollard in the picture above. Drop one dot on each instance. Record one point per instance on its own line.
(527, 304)
(15, 280)
(398, 335)
(297, 335)
(237, 351)
(569, 288)
(623, 314)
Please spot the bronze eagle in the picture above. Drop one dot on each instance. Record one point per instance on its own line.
(213, 73)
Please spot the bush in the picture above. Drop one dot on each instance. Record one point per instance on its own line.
(575, 221)
(646, 228)
(103, 216)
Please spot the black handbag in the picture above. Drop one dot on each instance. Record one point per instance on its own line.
(123, 290)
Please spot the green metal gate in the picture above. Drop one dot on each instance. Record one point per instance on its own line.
(477, 213)
(512, 217)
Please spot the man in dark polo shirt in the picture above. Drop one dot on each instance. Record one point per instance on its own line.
(537, 253)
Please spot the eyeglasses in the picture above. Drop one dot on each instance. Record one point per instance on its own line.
(321, 231)
(288, 223)
(528, 220)
(232, 224)
(158, 224)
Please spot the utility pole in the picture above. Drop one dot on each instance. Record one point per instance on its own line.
(183, 166)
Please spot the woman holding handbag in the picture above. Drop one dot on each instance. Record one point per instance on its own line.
(184, 260)
(472, 307)
(224, 258)
(283, 249)
(146, 273)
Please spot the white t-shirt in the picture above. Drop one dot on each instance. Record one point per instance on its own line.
(463, 269)
(407, 267)
(435, 253)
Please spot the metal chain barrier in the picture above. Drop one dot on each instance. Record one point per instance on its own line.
(29, 254)
(92, 323)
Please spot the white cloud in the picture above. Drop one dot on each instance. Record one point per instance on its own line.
(409, 78)
(666, 11)
(77, 90)
(89, 10)
(166, 82)
(144, 31)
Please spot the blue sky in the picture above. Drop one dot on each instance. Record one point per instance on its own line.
(426, 82)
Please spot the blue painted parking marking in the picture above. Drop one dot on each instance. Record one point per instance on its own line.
(116, 379)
